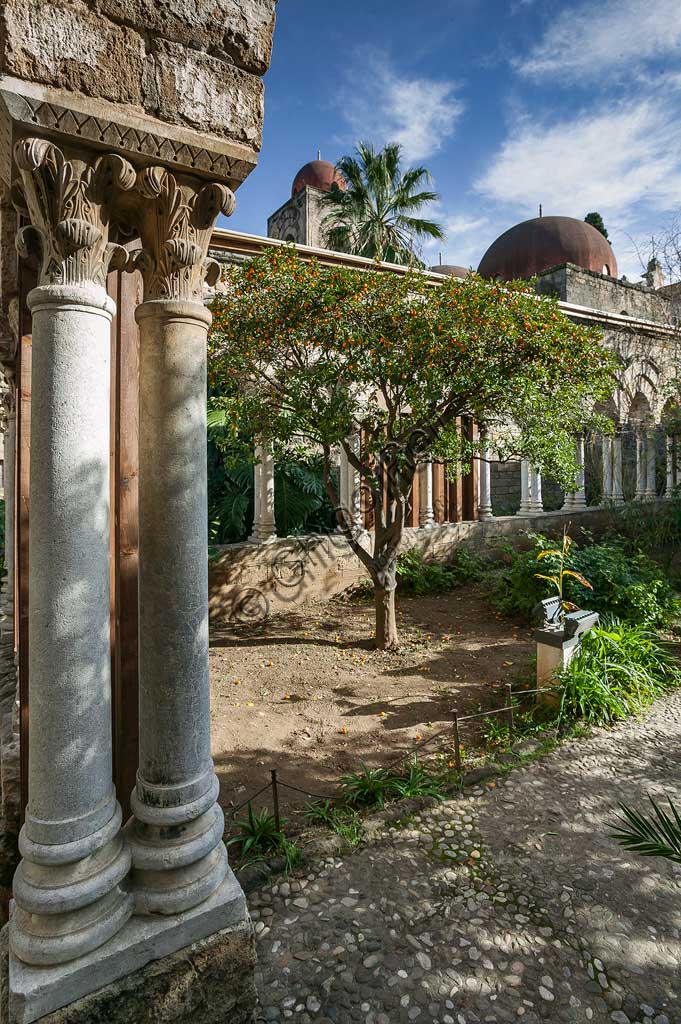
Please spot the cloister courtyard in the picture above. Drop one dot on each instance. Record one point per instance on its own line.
(307, 694)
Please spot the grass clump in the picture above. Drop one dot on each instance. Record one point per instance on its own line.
(619, 669)
(259, 839)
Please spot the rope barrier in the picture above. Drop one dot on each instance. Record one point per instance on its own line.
(508, 709)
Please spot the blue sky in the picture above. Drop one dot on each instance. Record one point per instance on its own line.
(509, 103)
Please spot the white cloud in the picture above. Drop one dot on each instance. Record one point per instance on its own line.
(598, 38)
(381, 105)
(617, 161)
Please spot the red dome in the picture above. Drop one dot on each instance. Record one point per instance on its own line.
(451, 270)
(544, 242)
(318, 174)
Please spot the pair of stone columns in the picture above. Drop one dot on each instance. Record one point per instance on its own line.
(531, 502)
(82, 876)
(672, 466)
(264, 523)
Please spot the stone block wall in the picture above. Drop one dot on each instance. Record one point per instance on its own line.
(248, 582)
(597, 291)
(195, 63)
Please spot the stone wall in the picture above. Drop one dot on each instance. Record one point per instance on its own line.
(586, 288)
(196, 64)
(248, 582)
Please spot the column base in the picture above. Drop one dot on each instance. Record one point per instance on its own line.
(194, 966)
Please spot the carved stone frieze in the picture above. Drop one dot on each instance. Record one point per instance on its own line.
(67, 202)
(175, 218)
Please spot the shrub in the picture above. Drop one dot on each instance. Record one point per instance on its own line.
(618, 670)
(628, 585)
(418, 576)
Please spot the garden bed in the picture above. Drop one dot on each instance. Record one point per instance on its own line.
(305, 692)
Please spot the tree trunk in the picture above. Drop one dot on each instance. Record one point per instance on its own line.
(387, 637)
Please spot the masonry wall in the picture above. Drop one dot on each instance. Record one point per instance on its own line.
(586, 288)
(195, 63)
(247, 582)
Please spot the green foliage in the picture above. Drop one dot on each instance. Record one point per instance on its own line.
(377, 215)
(258, 833)
(650, 835)
(259, 839)
(303, 356)
(366, 788)
(416, 781)
(418, 576)
(596, 221)
(619, 669)
(343, 820)
(627, 584)
(651, 527)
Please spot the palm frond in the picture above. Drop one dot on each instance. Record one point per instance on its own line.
(652, 835)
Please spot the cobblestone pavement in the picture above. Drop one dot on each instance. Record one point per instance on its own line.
(508, 904)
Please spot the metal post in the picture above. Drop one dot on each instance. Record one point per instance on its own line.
(457, 743)
(509, 695)
(275, 801)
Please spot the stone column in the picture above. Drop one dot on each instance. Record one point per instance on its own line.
(607, 451)
(67, 888)
(525, 488)
(651, 459)
(484, 484)
(617, 485)
(669, 488)
(264, 524)
(426, 513)
(580, 496)
(354, 496)
(536, 501)
(8, 674)
(179, 858)
(641, 468)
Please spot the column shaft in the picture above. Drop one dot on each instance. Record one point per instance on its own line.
(484, 485)
(179, 858)
(607, 450)
(651, 460)
(617, 484)
(669, 488)
(536, 501)
(579, 497)
(641, 473)
(525, 488)
(67, 886)
(264, 525)
(426, 513)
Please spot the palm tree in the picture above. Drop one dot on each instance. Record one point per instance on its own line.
(377, 215)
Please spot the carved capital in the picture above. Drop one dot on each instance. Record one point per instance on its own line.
(68, 205)
(175, 218)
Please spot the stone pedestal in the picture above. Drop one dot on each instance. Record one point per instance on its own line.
(197, 966)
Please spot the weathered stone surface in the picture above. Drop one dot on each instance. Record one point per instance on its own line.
(70, 46)
(188, 87)
(239, 31)
(208, 982)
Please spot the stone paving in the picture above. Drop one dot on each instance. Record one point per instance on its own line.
(509, 903)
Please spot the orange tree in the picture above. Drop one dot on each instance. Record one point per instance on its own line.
(303, 356)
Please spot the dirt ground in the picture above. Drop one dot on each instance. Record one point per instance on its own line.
(306, 694)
